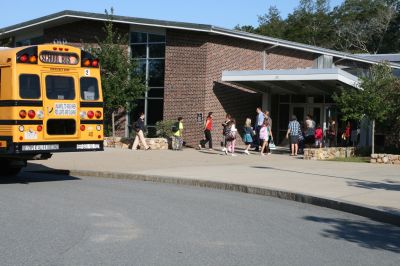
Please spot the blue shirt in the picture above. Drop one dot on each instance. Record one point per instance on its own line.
(294, 127)
(260, 119)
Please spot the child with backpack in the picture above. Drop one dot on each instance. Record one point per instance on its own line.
(177, 134)
(265, 132)
(230, 136)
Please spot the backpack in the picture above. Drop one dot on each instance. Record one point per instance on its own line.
(229, 134)
(175, 127)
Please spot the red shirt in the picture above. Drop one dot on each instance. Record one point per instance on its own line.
(348, 129)
(209, 123)
(318, 133)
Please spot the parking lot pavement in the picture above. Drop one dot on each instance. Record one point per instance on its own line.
(376, 186)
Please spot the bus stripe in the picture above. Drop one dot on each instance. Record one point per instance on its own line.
(92, 104)
(21, 122)
(20, 103)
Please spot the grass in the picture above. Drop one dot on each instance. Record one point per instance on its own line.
(352, 160)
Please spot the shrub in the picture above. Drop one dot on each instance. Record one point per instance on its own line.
(164, 128)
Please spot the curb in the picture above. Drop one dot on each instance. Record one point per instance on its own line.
(344, 206)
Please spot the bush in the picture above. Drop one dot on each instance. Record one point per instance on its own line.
(164, 128)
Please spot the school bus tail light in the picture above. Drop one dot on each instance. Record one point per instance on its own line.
(39, 128)
(82, 127)
(95, 63)
(90, 114)
(22, 114)
(28, 55)
(98, 114)
(31, 114)
(86, 63)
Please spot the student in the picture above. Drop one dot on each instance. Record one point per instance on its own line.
(318, 136)
(224, 126)
(258, 124)
(139, 129)
(177, 131)
(248, 135)
(265, 132)
(231, 137)
(207, 132)
(293, 131)
(309, 131)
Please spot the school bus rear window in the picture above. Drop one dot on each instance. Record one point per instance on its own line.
(60, 88)
(29, 86)
(89, 89)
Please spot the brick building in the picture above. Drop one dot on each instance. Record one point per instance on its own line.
(193, 69)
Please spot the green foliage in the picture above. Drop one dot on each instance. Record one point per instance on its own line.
(271, 24)
(120, 84)
(378, 97)
(368, 26)
(164, 128)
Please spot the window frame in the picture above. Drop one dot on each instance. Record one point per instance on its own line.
(61, 76)
(19, 86)
(97, 87)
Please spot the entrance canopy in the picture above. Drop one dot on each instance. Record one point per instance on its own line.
(293, 81)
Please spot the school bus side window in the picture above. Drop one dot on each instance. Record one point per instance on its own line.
(89, 89)
(29, 86)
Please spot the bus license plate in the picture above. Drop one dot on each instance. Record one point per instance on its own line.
(87, 146)
(44, 147)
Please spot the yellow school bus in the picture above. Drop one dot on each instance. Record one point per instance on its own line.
(50, 101)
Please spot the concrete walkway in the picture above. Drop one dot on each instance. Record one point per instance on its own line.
(376, 186)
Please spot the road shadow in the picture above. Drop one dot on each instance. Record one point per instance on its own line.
(366, 234)
(388, 185)
(35, 173)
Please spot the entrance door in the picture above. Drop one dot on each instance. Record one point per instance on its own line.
(60, 105)
(301, 110)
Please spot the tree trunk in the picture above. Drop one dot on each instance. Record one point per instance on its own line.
(373, 137)
(113, 124)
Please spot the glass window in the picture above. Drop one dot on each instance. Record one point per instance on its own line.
(157, 93)
(139, 51)
(138, 37)
(156, 73)
(60, 88)
(156, 38)
(29, 86)
(89, 89)
(141, 68)
(157, 50)
(298, 99)
(155, 108)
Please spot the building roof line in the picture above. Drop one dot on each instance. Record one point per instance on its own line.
(192, 27)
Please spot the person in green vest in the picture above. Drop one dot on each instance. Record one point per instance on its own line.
(177, 134)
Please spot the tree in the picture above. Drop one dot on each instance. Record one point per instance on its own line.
(311, 23)
(247, 28)
(362, 25)
(377, 98)
(271, 24)
(119, 82)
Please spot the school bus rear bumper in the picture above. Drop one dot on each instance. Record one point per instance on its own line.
(51, 147)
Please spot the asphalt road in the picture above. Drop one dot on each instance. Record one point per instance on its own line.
(63, 220)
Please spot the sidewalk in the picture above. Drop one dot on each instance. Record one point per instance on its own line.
(371, 185)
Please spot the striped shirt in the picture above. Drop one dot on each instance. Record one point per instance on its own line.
(294, 127)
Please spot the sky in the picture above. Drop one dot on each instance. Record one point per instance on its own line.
(223, 13)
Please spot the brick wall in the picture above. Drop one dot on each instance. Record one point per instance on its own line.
(80, 32)
(283, 58)
(194, 66)
(185, 76)
(226, 53)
